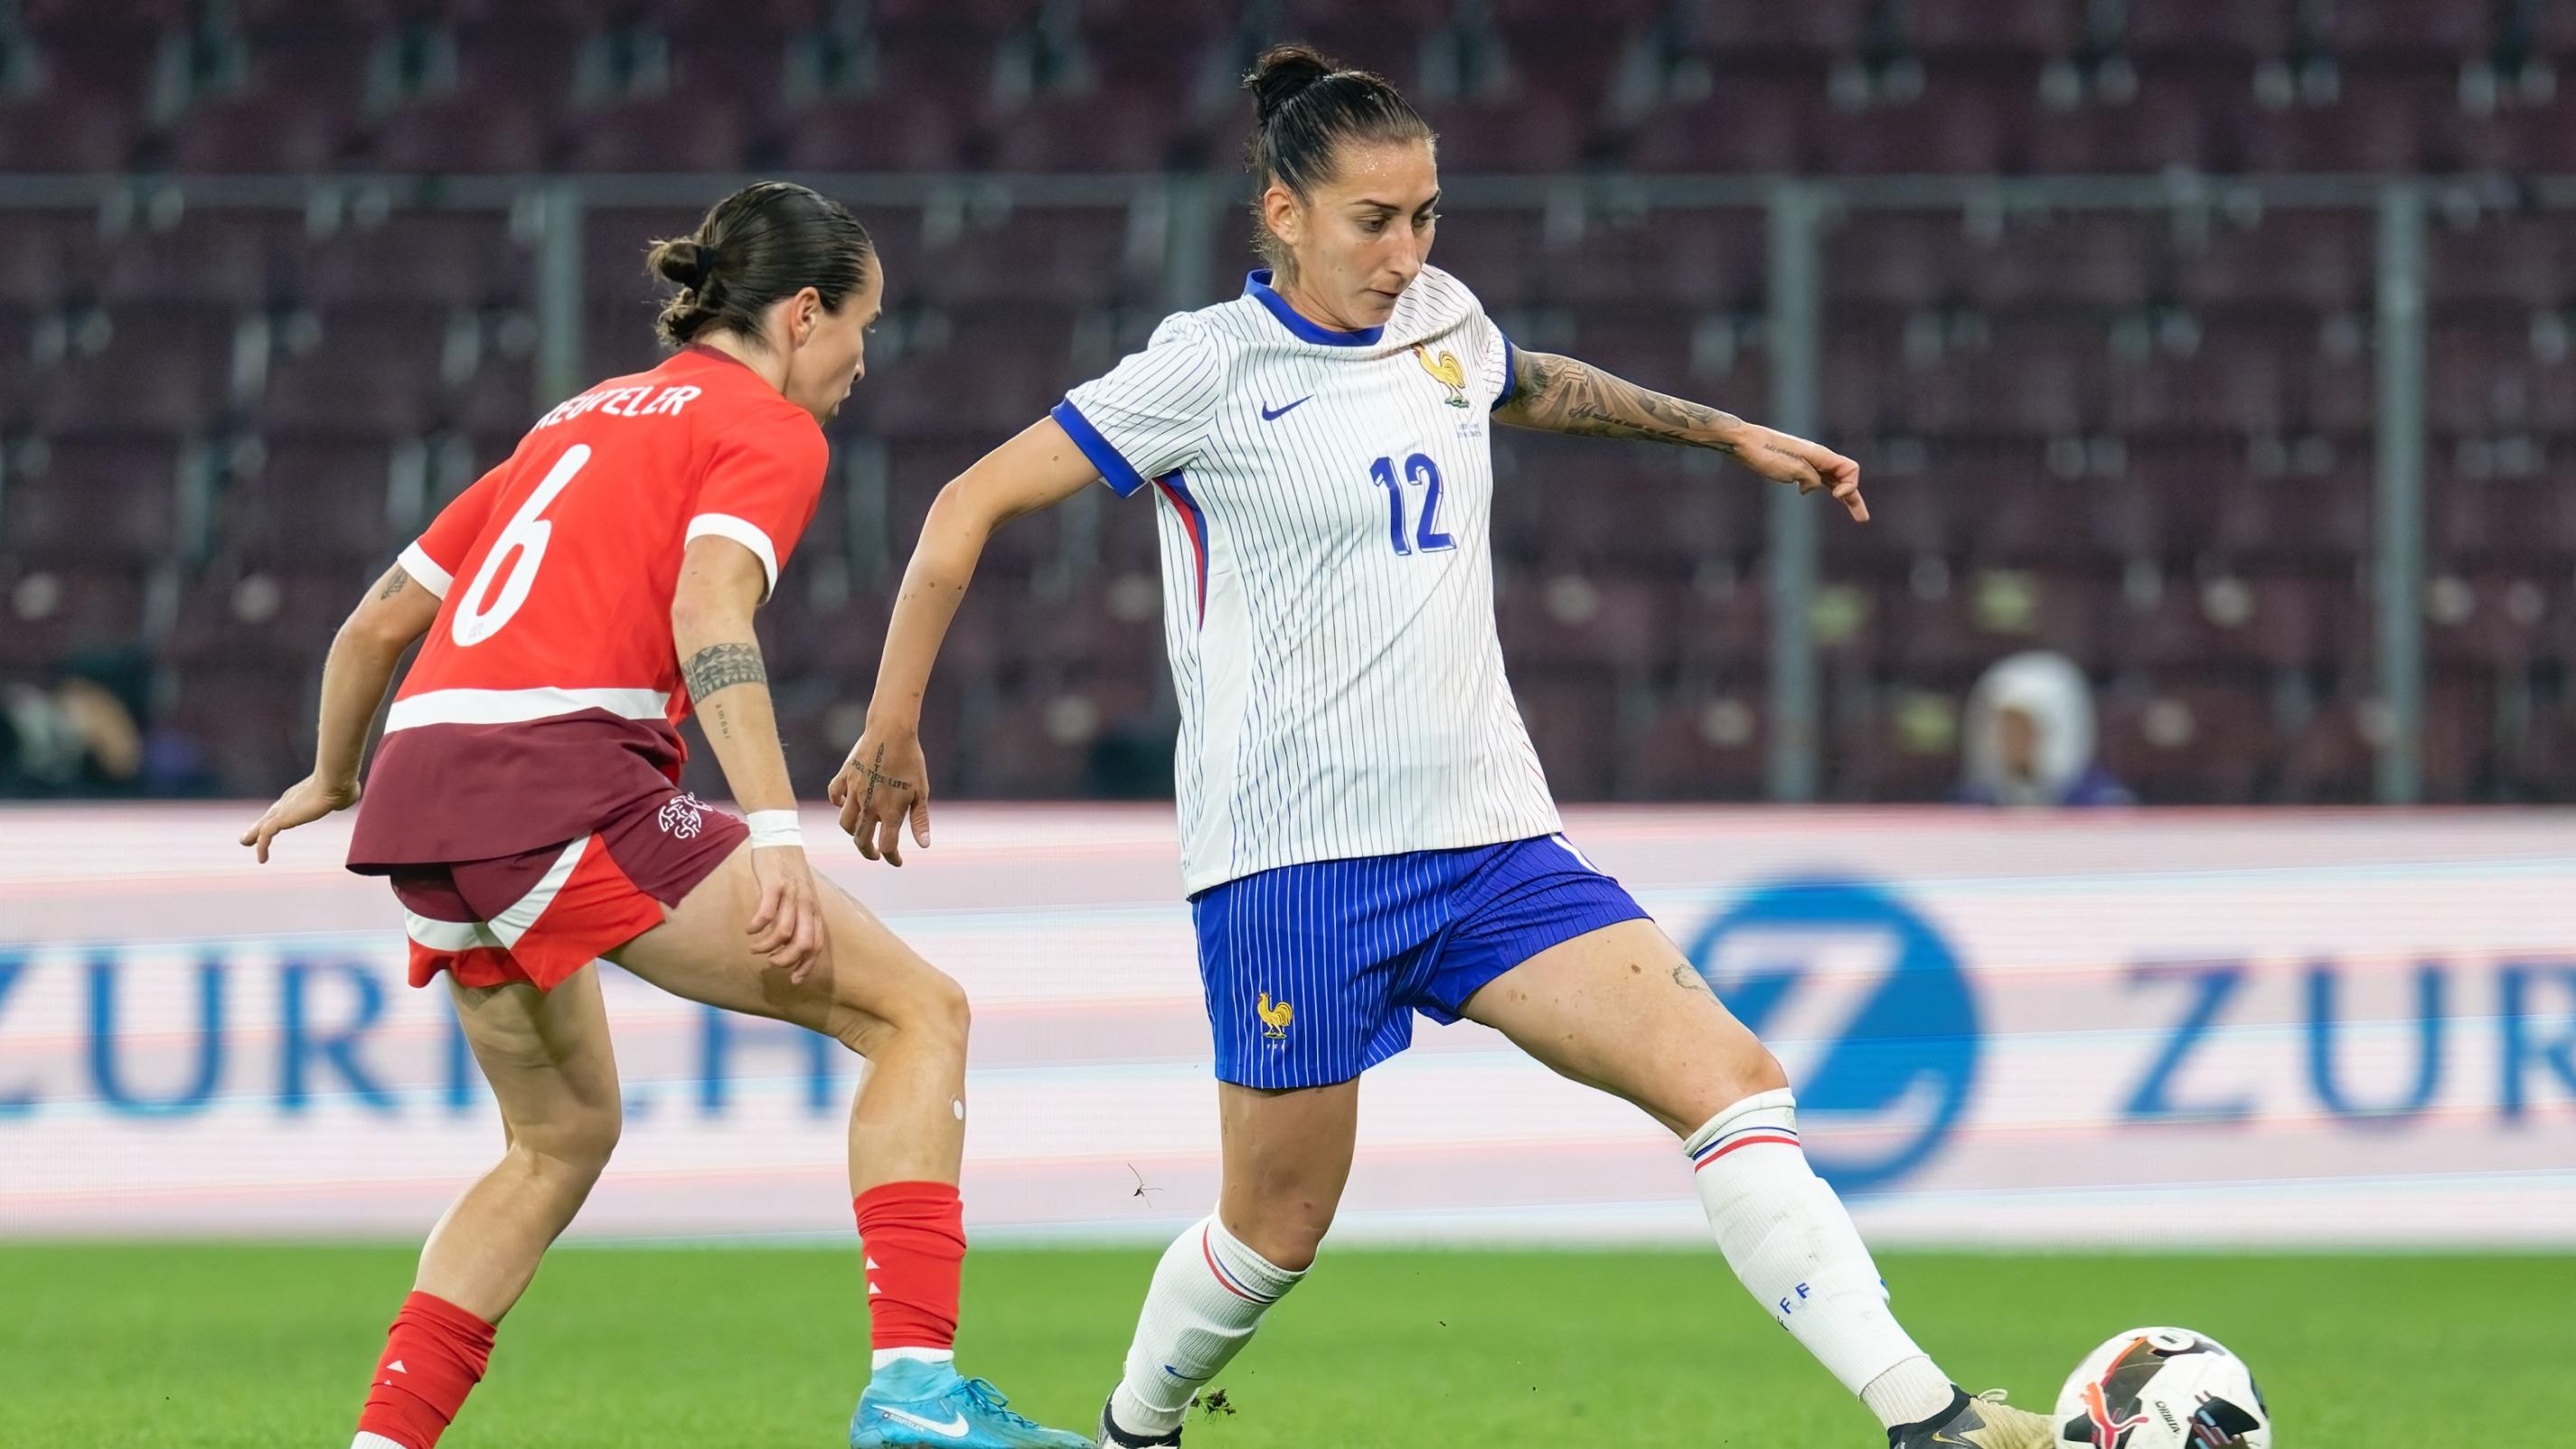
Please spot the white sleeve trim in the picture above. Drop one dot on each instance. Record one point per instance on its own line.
(425, 572)
(742, 531)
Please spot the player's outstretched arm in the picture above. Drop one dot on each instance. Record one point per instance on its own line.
(721, 583)
(1562, 395)
(885, 783)
(371, 641)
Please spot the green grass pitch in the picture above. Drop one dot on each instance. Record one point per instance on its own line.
(642, 1348)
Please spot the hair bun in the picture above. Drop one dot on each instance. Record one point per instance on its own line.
(761, 245)
(684, 261)
(1282, 72)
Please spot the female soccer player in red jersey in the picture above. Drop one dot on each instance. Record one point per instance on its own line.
(578, 602)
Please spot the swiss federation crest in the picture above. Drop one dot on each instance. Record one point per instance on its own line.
(680, 816)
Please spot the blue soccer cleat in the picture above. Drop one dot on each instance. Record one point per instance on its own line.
(911, 1404)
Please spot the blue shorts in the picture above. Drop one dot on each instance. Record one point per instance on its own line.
(1313, 971)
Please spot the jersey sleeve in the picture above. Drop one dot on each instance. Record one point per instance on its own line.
(1150, 415)
(1494, 353)
(433, 558)
(761, 486)
(1499, 351)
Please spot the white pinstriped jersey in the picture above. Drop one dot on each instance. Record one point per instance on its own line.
(1328, 586)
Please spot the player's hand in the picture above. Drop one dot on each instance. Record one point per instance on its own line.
(304, 802)
(1784, 458)
(788, 928)
(884, 783)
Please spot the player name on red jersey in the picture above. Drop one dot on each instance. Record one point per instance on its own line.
(622, 402)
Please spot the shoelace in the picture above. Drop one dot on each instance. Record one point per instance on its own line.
(982, 1394)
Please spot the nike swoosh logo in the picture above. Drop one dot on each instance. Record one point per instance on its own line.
(953, 1429)
(1269, 416)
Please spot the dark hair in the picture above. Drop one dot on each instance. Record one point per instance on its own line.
(769, 240)
(1306, 106)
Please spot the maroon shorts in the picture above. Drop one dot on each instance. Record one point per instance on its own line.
(541, 915)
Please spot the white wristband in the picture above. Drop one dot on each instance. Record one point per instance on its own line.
(774, 827)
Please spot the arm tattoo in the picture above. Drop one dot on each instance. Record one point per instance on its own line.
(1560, 395)
(1689, 980)
(722, 666)
(393, 582)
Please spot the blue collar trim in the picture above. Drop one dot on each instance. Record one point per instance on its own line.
(1257, 286)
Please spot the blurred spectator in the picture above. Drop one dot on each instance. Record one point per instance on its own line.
(1132, 760)
(82, 735)
(2029, 737)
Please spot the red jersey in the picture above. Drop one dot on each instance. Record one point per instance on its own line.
(546, 695)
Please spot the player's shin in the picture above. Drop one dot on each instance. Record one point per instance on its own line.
(434, 1356)
(1791, 1243)
(907, 1136)
(1208, 1296)
(913, 1236)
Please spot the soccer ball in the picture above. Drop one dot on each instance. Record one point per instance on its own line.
(2162, 1388)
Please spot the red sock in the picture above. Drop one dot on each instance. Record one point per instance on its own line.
(912, 1236)
(433, 1358)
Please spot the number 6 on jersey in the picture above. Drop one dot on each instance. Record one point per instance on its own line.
(523, 542)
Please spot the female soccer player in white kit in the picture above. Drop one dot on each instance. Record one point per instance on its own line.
(1365, 828)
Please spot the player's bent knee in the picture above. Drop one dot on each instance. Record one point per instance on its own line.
(929, 1009)
(1748, 1074)
(1762, 1072)
(1287, 1240)
(935, 1006)
(1285, 1218)
(576, 1148)
(1683, 1101)
(949, 1009)
(1737, 1063)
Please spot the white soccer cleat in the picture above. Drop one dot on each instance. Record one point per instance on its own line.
(1113, 1437)
(1982, 1422)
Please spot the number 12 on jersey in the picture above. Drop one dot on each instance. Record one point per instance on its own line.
(1427, 535)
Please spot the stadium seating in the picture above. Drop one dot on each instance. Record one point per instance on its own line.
(2142, 436)
(1660, 85)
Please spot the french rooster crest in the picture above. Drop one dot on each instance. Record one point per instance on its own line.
(1447, 369)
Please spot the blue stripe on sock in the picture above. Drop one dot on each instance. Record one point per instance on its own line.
(1713, 1145)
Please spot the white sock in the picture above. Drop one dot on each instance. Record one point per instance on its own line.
(374, 1441)
(1208, 1295)
(879, 1358)
(1791, 1244)
(1909, 1393)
